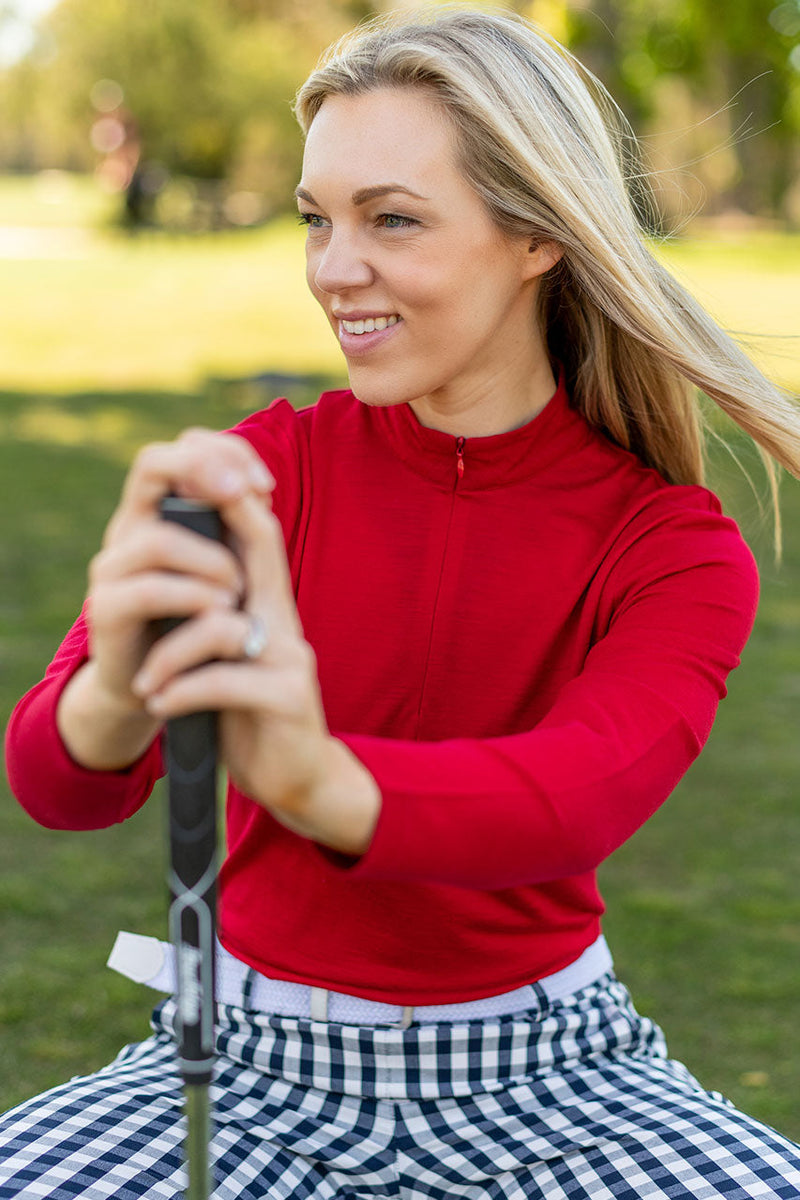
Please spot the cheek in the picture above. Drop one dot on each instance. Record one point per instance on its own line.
(428, 286)
(460, 278)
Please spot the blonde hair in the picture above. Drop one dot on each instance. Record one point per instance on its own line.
(545, 146)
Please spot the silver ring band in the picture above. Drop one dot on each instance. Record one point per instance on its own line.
(256, 639)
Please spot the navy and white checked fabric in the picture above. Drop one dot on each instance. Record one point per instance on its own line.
(576, 1100)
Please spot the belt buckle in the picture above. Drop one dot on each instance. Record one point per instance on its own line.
(406, 1019)
(319, 1003)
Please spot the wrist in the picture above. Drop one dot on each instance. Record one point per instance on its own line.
(100, 729)
(342, 807)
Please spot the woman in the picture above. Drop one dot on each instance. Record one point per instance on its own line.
(472, 628)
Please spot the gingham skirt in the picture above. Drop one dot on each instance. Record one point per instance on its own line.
(574, 1099)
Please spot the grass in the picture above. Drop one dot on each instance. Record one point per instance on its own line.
(704, 909)
(749, 284)
(55, 200)
(154, 312)
(91, 308)
(88, 306)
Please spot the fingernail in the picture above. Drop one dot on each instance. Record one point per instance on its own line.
(141, 683)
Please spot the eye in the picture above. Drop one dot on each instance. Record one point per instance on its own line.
(310, 220)
(395, 221)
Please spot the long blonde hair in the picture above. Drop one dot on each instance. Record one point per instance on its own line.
(546, 147)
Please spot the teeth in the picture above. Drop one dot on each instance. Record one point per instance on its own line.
(369, 325)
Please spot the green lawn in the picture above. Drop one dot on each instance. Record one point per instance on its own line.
(90, 308)
(704, 903)
(86, 306)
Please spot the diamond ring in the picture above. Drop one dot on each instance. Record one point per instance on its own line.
(256, 639)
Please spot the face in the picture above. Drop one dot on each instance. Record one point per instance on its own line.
(430, 301)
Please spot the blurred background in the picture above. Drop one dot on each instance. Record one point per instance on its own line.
(151, 277)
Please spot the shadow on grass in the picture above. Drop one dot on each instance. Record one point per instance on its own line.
(704, 908)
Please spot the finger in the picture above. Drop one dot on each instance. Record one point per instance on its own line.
(162, 545)
(257, 537)
(213, 635)
(200, 464)
(231, 687)
(152, 595)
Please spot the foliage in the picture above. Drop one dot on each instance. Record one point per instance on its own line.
(207, 88)
(716, 98)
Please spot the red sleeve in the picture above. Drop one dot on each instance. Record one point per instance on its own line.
(677, 605)
(51, 786)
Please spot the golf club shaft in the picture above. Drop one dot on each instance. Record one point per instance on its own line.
(198, 1138)
(191, 752)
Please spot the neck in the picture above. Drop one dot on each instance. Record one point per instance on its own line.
(491, 407)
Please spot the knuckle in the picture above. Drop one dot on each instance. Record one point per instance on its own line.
(195, 434)
(166, 542)
(305, 658)
(220, 630)
(309, 653)
(248, 458)
(147, 590)
(97, 568)
(147, 458)
(238, 445)
(272, 527)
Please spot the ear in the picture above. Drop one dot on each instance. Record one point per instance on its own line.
(540, 257)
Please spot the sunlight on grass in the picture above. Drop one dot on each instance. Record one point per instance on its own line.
(112, 431)
(158, 312)
(751, 285)
(86, 307)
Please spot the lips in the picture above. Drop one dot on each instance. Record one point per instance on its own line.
(362, 334)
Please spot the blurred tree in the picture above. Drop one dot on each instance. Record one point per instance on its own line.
(206, 89)
(716, 94)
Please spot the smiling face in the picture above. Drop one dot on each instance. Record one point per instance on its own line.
(430, 301)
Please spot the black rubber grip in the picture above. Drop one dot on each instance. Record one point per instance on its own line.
(191, 757)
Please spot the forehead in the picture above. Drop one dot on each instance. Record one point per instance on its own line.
(400, 134)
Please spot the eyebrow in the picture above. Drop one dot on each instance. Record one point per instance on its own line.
(364, 195)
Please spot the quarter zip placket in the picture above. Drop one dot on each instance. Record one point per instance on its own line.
(460, 468)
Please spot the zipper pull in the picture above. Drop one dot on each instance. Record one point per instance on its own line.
(460, 443)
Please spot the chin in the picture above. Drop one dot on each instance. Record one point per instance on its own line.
(375, 393)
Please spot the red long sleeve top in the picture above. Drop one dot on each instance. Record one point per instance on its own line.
(523, 637)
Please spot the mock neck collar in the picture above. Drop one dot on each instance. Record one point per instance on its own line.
(495, 461)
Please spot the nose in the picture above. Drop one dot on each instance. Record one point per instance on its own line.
(339, 265)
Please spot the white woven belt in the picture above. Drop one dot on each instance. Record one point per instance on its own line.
(147, 960)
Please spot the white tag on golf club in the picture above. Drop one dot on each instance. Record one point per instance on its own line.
(141, 959)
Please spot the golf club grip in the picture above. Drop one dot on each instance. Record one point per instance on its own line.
(191, 757)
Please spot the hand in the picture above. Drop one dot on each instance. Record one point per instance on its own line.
(274, 737)
(149, 568)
